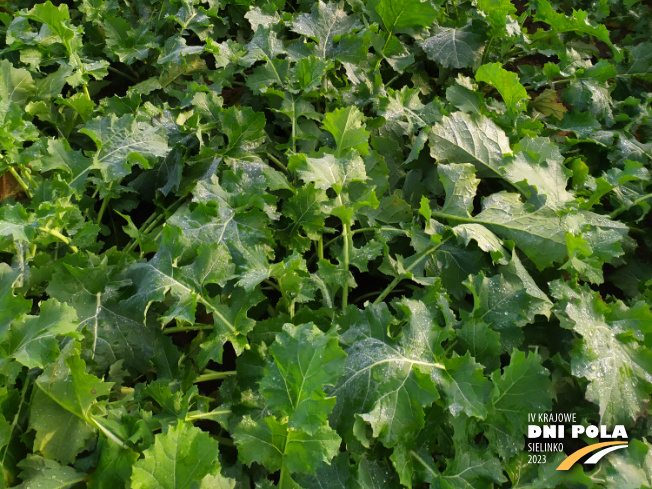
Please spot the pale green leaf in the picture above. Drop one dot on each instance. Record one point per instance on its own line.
(329, 171)
(463, 138)
(453, 47)
(460, 186)
(617, 365)
(122, 140)
(324, 23)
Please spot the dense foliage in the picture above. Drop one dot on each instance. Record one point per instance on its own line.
(259, 243)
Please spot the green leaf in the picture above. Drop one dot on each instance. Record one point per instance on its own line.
(305, 453)
(80, 103)
(305, 361)
(17, 223)
(482, 342)
(463, 138)
(178, 459)
(470, 468)
(523, 387)
(463, 96)
(509, 299)
(398, 14)
(175, 50)
(546, 475)
(261, 441)
(56, 18)
(33, 341)
(62, 413)
(590, 95)
(16, 88)
(298, 109)
(12, 307)
(460, 186)
(231, 324)
(60, 434)
(578, 22)
(329, 171)
(121, 140)
(114, 467)
(394, 51)
(325, 22)
(286, 273)
(640, 59)
(78, 166)
(91, 288)
(306, 209)
(337, 474)
(235, 214)
(270, 443)
(464, 385)
(405, 113)
(630, 468)
(244, 129)
(217, 482)
(583, 124)
(497, 12)
(129, 44)
(538, 234)
(47, 474)
(486, 240)
(67, 383)
(621, 385)
(389, 383)
(375, 474)
(257, 17)
(187, 286)
(506, 82)
(161, 275)
(310, 74)
(275, 72)
(348, 130)
(539, 163)
(453, 47)
(264, 46)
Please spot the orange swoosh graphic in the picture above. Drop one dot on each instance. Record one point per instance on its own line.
(575, 456)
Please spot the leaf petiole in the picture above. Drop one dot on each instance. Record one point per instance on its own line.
(60, 237)
(105, 204)
(181, 329)
(14, 422)
(208, 376)
(277, 161)
(620, 210)
(20, 181)
(108, 433)
(208, 415)
(395, 282)
(320, 247)
(346, 235)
